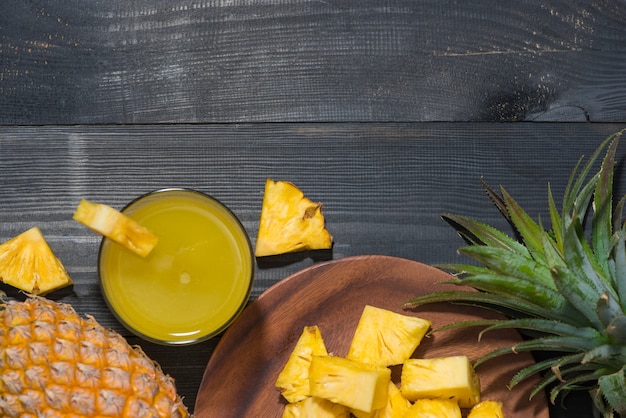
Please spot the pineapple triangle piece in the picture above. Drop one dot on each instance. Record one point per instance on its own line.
(487, 409)
(293, 380)
(444, 377)
(385, 338)
(313, 407)
(359, 386)
(289, 222)
(434, 408)
(397, 405)
(28, 263)
(113, 224)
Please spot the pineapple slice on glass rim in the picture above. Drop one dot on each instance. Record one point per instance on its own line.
(116, 226)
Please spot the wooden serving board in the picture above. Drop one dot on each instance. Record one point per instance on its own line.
(239, 378)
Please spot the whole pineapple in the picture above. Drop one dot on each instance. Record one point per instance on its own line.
(564, 291)
(55, 363)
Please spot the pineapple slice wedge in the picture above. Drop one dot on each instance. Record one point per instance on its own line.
(289, 222)
(444, 377)
(355, 385)
(397, 405)
(487, 409)
(313, 407)
(434, 408)
(28, 263)
(113, 224)
(385, 338)
(293, 380)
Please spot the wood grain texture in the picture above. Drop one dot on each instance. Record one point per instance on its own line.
(239, 380)
(383, 187)
(319, 61)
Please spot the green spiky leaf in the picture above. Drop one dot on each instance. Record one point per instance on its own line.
(613, 388)
(565, 291)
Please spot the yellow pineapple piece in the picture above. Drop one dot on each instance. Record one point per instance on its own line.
(397, 405)
(56, 363)
(487, 409)
(293, 380)
(443, 377)
(356, 385)
(313, 407)
(386, 338)
(434, 408)
(289, 222)
(28, 263)
(113, 224)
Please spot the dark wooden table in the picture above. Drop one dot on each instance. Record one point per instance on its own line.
(388, 112)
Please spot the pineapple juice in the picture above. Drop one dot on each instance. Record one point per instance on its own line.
(194, 282)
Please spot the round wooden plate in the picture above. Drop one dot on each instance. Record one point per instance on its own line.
(239, 378)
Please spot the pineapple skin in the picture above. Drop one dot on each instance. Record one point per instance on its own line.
(28, 263)
(56, 363)
(355, 385)
(434, 408)
(385, 338)
(444, 377)
(293, 380)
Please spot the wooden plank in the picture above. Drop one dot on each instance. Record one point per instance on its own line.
(301, 60)
(383, 187)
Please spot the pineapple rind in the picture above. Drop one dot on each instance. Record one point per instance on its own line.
(116, 226)
(293, 380)
(28, 263)
(349, 383)
(289, 222)
(54, 362)
(444, 377)
(385, 338)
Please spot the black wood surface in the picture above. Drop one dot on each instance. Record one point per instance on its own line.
(383, 187)
(142, 61)
(386, 111)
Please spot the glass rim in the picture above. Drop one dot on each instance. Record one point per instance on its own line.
(250, 280)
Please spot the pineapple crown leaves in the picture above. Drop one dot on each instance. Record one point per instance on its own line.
(568, 290)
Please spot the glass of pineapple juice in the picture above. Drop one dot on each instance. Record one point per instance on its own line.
(194, 283)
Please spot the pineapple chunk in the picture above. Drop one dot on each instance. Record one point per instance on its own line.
(397, 405)
(289, 222)
(115, 225)
(313, 407)
(293, 380)
(443, 377)
(385, 338)
(434, 408)
(28, 263)
(487, 409)
(349, 383)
